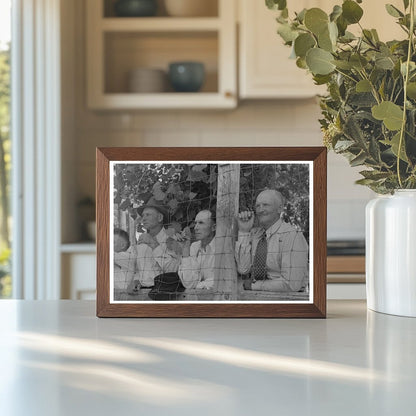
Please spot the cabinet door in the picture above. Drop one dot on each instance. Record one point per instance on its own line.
(266, 71)
(78, 276)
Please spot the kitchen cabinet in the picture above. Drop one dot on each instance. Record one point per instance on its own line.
(78, 263)
(346, 277)
(118, 45)
(265, 70)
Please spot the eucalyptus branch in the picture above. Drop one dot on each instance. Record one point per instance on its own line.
(404, 28)
(362, 59)
(373, 88)
(392, 91)
(346, 75)
(406, 79)
(398, 95)
(369, 40)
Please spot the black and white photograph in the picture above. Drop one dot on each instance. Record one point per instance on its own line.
(211, 232)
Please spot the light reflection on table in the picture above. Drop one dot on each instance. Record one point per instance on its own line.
(57, 358)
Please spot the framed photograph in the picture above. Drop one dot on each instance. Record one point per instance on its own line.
(211, 232)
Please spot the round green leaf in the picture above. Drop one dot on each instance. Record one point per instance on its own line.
(391, 114)
(411, 90)
(363, 86)
(301, 15)
(319, 61)
(412, 67)
(322, 79)
(342, 25)
(316, 20)
(287, 33)
(358, 61)
(344, 65)
(348, 37)
(301, 63)
(336, 12)
(303, 43)
(276, 4)
(327, 39)
(384, 62)
(333, 32)
(324, 41)
(394, 143)
(351, 11)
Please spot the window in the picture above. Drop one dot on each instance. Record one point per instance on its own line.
(5, 147)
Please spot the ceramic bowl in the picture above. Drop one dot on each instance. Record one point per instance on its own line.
(191, 8)
(147, 80)
(186, 76)
(135, 8)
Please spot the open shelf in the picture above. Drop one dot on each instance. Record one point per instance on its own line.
(86, 247)
(127, 51)
(118, 45)
(160, 24)
(210, 9)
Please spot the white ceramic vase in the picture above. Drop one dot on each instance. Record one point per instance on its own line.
(391, 253)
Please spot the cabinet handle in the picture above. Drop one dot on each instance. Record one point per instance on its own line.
(229, 94)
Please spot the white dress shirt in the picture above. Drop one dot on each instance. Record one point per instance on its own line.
(198, 270)
(150, 263)
(124, 268)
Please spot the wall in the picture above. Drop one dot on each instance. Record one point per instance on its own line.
(253, 123)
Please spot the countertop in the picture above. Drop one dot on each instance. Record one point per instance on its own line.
(57, 358)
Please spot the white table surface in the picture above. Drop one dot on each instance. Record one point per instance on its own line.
(57, 358)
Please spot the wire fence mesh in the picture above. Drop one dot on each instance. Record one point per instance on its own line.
(170, 258)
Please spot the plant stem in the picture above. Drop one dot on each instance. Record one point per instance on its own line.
(346, 75)
(406, 79)
(373, 88)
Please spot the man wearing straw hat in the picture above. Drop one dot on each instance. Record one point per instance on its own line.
(153, 256)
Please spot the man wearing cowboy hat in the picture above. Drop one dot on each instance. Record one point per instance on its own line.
(153, 256)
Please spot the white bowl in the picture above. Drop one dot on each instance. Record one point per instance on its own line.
(147, 80)
(191, 8)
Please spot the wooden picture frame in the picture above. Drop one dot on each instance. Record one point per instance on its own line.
(236, 302)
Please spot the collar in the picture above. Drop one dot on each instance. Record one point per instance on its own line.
(209, 248)
(161, 236)
(274, 228)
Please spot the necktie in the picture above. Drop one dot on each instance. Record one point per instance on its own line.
(259, 270)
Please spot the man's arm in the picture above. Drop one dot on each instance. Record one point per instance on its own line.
(294, 259)
(245, 222)
(146, 267)
(167, 259)
(243, 252)
(190, 270)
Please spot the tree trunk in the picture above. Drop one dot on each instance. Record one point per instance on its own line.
(4, 198)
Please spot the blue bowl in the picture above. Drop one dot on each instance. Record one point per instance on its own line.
(135, 8)
(186, 76)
